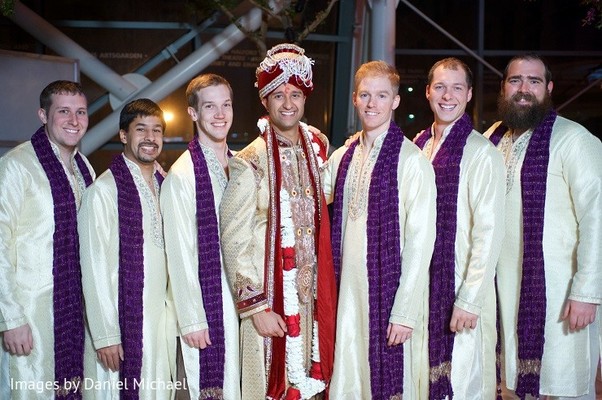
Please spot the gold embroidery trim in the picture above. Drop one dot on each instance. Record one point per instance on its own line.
(211, 393)
(529, 367)
(440, 370)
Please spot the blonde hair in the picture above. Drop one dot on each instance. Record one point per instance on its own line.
(377, 68)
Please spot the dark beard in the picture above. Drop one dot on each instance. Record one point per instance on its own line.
(522, 118)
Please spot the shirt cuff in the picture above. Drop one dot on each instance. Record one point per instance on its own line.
(402, 320)
(12, 323)
(106, 342)
(585, 299)
(185, 330)
(254, 311)
(466, 306)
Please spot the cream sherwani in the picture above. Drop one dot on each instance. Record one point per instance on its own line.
(243, 223)
(479, 234)
(26, 257)
(416, 183)
(178, 204)
(98, 226)
(572, 246)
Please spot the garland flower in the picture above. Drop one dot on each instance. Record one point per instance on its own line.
(317, 145)
(303, 386)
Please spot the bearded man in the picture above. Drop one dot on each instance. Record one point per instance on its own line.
(549, 275)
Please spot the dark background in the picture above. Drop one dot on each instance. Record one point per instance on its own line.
(126, 34)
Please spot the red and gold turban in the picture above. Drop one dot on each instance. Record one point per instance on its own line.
(284, 63)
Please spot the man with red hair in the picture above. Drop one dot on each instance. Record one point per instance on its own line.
(383, 231)
(276, 240)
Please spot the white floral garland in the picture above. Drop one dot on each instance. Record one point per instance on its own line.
(315, 144)
(262, 124)
(307, 386)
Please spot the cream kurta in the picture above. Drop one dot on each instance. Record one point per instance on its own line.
(479, 234)
(416, 183)
(178, 205)
(243, 222)
(572, 245)
(98, 226)
(26, 257)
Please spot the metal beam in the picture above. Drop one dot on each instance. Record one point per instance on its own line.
(582, 91)
(176, 77)
(451, 37)
(59, 42)
(497, 53)
(163, 55)
(342, 124)
(478, 91)
(123, 24)
(382, 30)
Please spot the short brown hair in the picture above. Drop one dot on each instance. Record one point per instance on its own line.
(529, 57)
(59, 87)
(140, 108)
(201, 82)
(452, 63)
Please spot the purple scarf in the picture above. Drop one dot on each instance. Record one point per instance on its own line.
(131, 275)
(383, 259)
(211, 359)
(442, 294)
(532, 305)
(67, 293)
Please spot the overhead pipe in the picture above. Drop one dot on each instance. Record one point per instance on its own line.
(47, 34)
(158, 59)
(179, 75)
(452, 37)
(382, 30)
